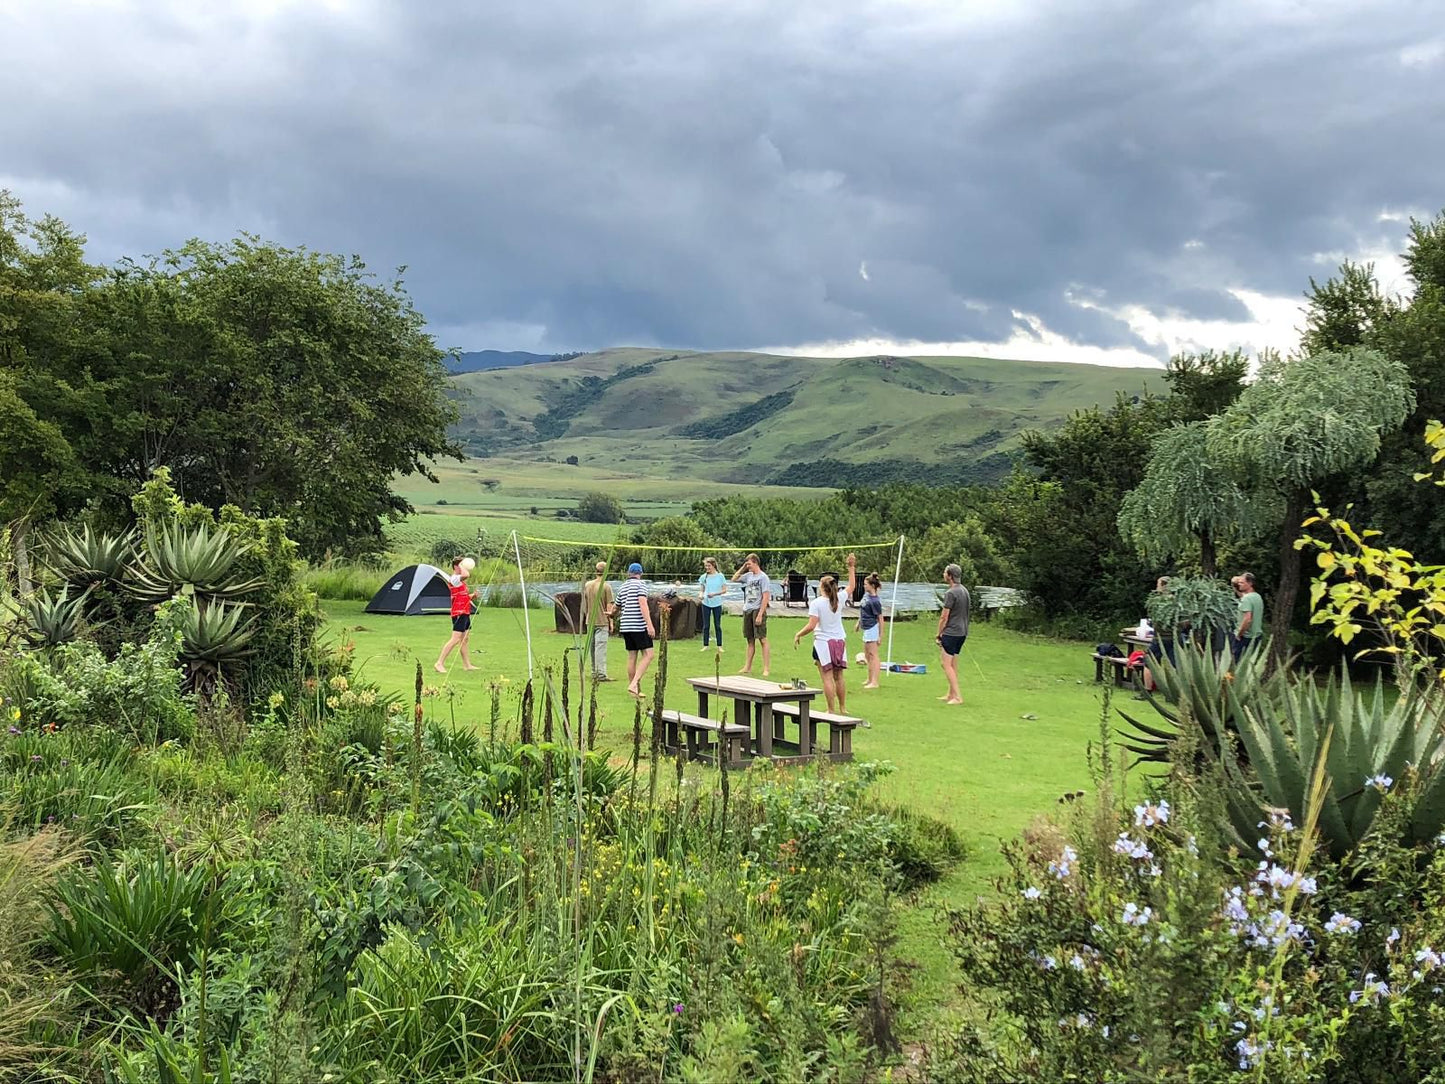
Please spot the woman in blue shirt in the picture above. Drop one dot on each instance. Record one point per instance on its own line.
(870, 624)
(714, 585)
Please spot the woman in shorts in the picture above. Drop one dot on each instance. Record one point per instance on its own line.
(870, 624)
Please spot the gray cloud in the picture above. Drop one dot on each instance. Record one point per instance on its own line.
(713, 175)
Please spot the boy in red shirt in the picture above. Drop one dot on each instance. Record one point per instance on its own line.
(461, 615)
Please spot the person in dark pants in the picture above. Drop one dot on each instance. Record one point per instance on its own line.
(952, 630)
(714, 585)
(1251, 615)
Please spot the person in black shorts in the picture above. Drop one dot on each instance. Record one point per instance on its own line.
(952, 630)
(635, 622)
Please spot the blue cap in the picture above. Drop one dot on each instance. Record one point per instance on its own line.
(634, 567)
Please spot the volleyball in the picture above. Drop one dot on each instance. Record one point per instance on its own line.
(859, 660)
(468, 564)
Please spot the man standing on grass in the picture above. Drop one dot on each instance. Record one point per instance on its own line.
(757, 594)
(597, 610)
(952, 630)
(635, 622)
(1251, 615)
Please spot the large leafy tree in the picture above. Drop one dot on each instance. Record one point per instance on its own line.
(1188, 501)
(1298, 424)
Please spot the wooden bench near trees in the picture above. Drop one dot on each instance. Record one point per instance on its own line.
(705, 739)
(1125, 675)
(840, 729)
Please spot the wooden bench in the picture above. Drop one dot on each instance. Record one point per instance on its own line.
(1124, 674)
(840, 729)
(703, 738)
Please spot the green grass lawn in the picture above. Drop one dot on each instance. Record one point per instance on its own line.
(982, 768)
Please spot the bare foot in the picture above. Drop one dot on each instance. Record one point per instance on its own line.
(869, 685)
(766, 673)
(439, 668)
(471, 667)
(951, 700)
(634, 692)
(745, 670)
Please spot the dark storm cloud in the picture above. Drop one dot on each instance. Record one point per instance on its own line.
(573, 175)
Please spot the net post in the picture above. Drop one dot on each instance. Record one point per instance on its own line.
(893, 605)
(526, 610)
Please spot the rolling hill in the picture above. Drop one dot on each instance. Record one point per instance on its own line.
(759, 418)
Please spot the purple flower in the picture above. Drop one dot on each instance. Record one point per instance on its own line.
(34, 757)
(678, 1008)
(1342, 923)
(14, 730)
(1373, 990)
(1148, 815)
(1032, 893)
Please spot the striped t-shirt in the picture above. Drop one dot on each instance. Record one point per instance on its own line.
(630, 597)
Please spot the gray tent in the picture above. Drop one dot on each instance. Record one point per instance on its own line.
(416, 589)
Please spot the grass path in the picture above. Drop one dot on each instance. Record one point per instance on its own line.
(982, 768)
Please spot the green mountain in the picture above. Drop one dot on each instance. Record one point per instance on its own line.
(755, 418)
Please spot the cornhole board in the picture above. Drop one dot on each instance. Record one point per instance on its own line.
(908, 668)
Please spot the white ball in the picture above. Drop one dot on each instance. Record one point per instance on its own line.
(468, 564)
(861, 658)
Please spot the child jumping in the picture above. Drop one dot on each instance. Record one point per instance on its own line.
(461, 615)
(870, 624)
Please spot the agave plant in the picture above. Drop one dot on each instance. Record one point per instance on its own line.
(1368, 743)
(216, 634)
(199, 560)
(1209, 687)
(87, 558)
(47, 621)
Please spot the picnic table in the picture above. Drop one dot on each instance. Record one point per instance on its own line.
(753, 700)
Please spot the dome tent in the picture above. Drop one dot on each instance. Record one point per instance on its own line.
(416, 589)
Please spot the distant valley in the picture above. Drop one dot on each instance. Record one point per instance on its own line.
(755, 419)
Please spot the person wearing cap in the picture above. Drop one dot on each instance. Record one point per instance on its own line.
(635, 623)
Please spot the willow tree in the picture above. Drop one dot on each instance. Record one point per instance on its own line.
(1188, 498)
(1300, 422)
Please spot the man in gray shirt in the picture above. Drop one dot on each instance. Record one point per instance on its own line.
(952, 630)
(757, 594)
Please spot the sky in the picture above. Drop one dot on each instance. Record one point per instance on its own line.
(1108, 182)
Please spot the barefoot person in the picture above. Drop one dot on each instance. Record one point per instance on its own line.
(870, 624)
(597, 610)
(757, 594)
(952, 630)
(461, 610)
(635, 623)
(830, 644)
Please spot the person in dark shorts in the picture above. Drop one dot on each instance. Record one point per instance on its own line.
(757, 594)
(635, 623)
(952, 630)
(461, 610)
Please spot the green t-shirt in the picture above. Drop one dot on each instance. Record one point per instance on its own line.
(1252, 604)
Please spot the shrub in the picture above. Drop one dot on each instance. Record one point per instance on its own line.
(446, 550)
(598, 507)
(81, 779)
(129, 929)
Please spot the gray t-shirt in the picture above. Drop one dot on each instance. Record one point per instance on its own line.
(956, 602)
(754, 584)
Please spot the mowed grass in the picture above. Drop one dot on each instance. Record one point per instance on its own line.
(982, 767)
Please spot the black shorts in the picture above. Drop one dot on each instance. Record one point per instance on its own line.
(462, 623)
(637, 641)
(951, 645)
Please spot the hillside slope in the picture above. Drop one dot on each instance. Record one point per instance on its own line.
(751, 418)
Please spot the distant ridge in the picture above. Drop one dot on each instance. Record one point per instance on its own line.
(476, 361)
(750, 418)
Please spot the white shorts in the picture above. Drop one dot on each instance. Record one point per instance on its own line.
(873, 635)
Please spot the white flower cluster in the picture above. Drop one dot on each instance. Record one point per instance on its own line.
(1340, 922)
(1134, 916)
(1380, 782)
(1374, 989)
(1278, 879)
(1133, 848)
(1150, 814)
(1064, 866)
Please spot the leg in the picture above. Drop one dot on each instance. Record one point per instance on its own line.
(767, 658)
(447, 649)
(705, 630)
(466, 650)
(643, 662)
(702, 703)
(752, 645)
(632, 673)
(840, 690)
(950, 667)
(805, 727)
(599, 654)
(717, 620)
(825, 678)
(871, 653)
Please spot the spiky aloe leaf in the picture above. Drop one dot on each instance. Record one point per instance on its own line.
(184, 560)
(220, 632)
(46, 621)
(86, 557)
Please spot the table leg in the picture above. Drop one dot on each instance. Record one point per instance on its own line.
(702, 703)
(805, 729)
(765, 729)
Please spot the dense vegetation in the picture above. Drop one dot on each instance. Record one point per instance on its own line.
(735, 421)
(286, 382)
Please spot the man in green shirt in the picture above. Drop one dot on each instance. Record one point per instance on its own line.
(1251, 614)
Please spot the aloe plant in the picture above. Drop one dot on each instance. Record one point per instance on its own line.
(1266, 734)
(90, 558)
(197, 560)
(47, 621)
(216, 634)
(1208, 686)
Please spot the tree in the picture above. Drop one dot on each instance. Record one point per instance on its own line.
(599, 507)
(1300, 422)
(967, 543)
(1204, 384)
(283, 381)
(1345, 310)
(1187, 498)
(1069, 551)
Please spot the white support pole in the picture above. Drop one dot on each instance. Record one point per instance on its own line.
(526, 611)
(893, 606)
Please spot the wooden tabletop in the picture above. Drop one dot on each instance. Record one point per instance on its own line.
(751, 688)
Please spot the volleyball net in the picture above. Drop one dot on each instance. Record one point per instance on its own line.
(551, 570)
